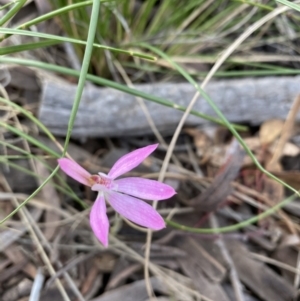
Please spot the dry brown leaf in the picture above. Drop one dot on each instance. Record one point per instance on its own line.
(270, 130)
(220, 188)
(289, 149)
(122, 270)
(211, 268)
(201, 140)
(193, 267)
(253, 143)
(289, 240)
(258, 277)
(18, 291)
(286, 131)
(106, 262)
(287, 255)
(273, 190)
(16, 256)
(90, 279)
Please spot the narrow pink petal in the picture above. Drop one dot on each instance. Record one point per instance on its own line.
(99, 221)
(144, 188)
(131, 160)
(136, 210)
(75, 171)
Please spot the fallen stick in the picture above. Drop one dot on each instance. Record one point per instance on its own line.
(108, 112)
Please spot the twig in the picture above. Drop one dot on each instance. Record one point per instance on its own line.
(234, 278)
(71, 264)
(276, 263)
(37, 286)
(175, 286)
(297, 276)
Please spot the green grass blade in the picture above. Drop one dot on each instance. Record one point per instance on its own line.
(66, 189)
(257, 4)
(16, 7)
(51, 37)
(25, 47)
(84, 70)
(290, 4)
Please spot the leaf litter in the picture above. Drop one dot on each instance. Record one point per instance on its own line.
(217, 185)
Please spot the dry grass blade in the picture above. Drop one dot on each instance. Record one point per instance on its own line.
(50, 196)
(234, 277)
(30, 222)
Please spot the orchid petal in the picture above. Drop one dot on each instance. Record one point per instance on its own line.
(131, 160)
(99, 221)
(135, 210)
(144, 188)
(75, 171)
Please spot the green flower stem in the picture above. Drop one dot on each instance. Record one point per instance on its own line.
(234, 227)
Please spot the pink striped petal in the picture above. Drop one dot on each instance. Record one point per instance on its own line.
(75, 171)
(131, 160)
(99, 221)
(135, 210)
(144, 188)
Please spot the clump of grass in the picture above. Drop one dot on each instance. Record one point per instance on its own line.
(192, 33)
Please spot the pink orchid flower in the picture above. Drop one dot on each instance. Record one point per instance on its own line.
(120, 194)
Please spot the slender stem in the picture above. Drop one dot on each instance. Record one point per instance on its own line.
(84, 69)
(31, 196)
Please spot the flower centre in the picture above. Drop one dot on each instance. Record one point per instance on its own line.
(101, 180)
